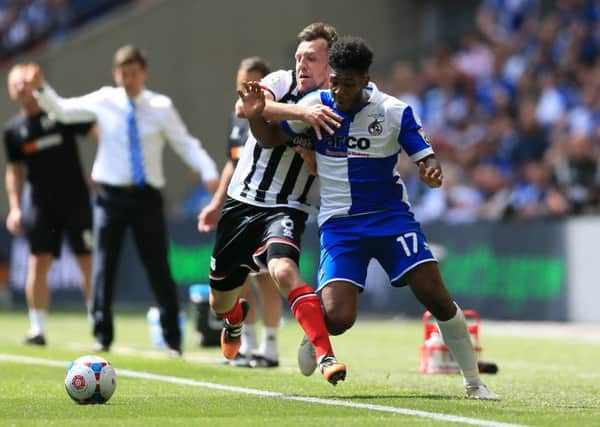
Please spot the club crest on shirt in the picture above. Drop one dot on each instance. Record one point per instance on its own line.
(421, 132)
(375, 128)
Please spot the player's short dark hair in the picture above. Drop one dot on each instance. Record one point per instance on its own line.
(128, 54)
(255, 63)
(318, 30)
(351, 53)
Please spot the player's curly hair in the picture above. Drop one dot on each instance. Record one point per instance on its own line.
(351, 53)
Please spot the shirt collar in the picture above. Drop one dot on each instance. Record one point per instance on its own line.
(139, 99)
(374, 93)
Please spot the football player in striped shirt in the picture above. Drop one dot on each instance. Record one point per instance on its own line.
(269, 199)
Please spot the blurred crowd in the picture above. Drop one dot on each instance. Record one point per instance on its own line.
(26, 24)
(513, 112)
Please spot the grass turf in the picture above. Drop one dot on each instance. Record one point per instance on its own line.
(543, 382)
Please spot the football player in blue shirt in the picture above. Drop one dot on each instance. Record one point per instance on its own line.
(364, 210)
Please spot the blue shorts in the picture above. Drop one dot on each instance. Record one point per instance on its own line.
(349, 243)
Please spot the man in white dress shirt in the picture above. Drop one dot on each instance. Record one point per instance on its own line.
(134, 123)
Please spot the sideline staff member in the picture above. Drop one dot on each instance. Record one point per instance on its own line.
(44, 153)
(134, 124)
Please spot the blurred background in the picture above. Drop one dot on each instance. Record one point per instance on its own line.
(508, 91)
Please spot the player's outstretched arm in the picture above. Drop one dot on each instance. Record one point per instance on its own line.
(253, 102)
(318, 116)
(430, 171)
(66, 110)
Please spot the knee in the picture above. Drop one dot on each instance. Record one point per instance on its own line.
(339, 320)
(220, 306)
(221, 302)
(285, 273)
(338, 326)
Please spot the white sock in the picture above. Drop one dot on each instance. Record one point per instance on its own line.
(268, 347)
(36, 319)
(248, 339)
(457, 339)
(90, 315)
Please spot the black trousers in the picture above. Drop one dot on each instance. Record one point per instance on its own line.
(141, 209)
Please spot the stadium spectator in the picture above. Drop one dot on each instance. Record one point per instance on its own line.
(26, 24)
(364, 211)
(540, 94)
(267, 207)
(250, 69)
(491, 184)
(474, 58)
(576, 174)
(406, 85)
(44, 153)
(134, 124)
(509, 23)
(531, 138)
(534, 195)
(463, 201)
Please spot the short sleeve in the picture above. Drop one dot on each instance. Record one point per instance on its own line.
(297, 127)
(278, 83)
(238, 133)
(412, 137)
(13, 153)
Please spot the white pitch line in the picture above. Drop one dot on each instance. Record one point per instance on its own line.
(222, 387)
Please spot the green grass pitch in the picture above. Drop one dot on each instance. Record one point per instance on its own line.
(551, 381)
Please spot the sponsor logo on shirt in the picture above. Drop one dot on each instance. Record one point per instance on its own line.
(347, 141)
(304, 141)
(42, 143)
(235, 153)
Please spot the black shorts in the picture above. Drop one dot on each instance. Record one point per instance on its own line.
(248, 237)
(46, 225)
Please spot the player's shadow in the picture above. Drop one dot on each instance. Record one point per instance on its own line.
(393, 396)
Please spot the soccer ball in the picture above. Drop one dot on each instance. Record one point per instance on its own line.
(90, 379)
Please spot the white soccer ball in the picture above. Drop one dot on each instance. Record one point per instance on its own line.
(90, 379)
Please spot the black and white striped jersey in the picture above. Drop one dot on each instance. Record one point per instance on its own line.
(275, 176)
